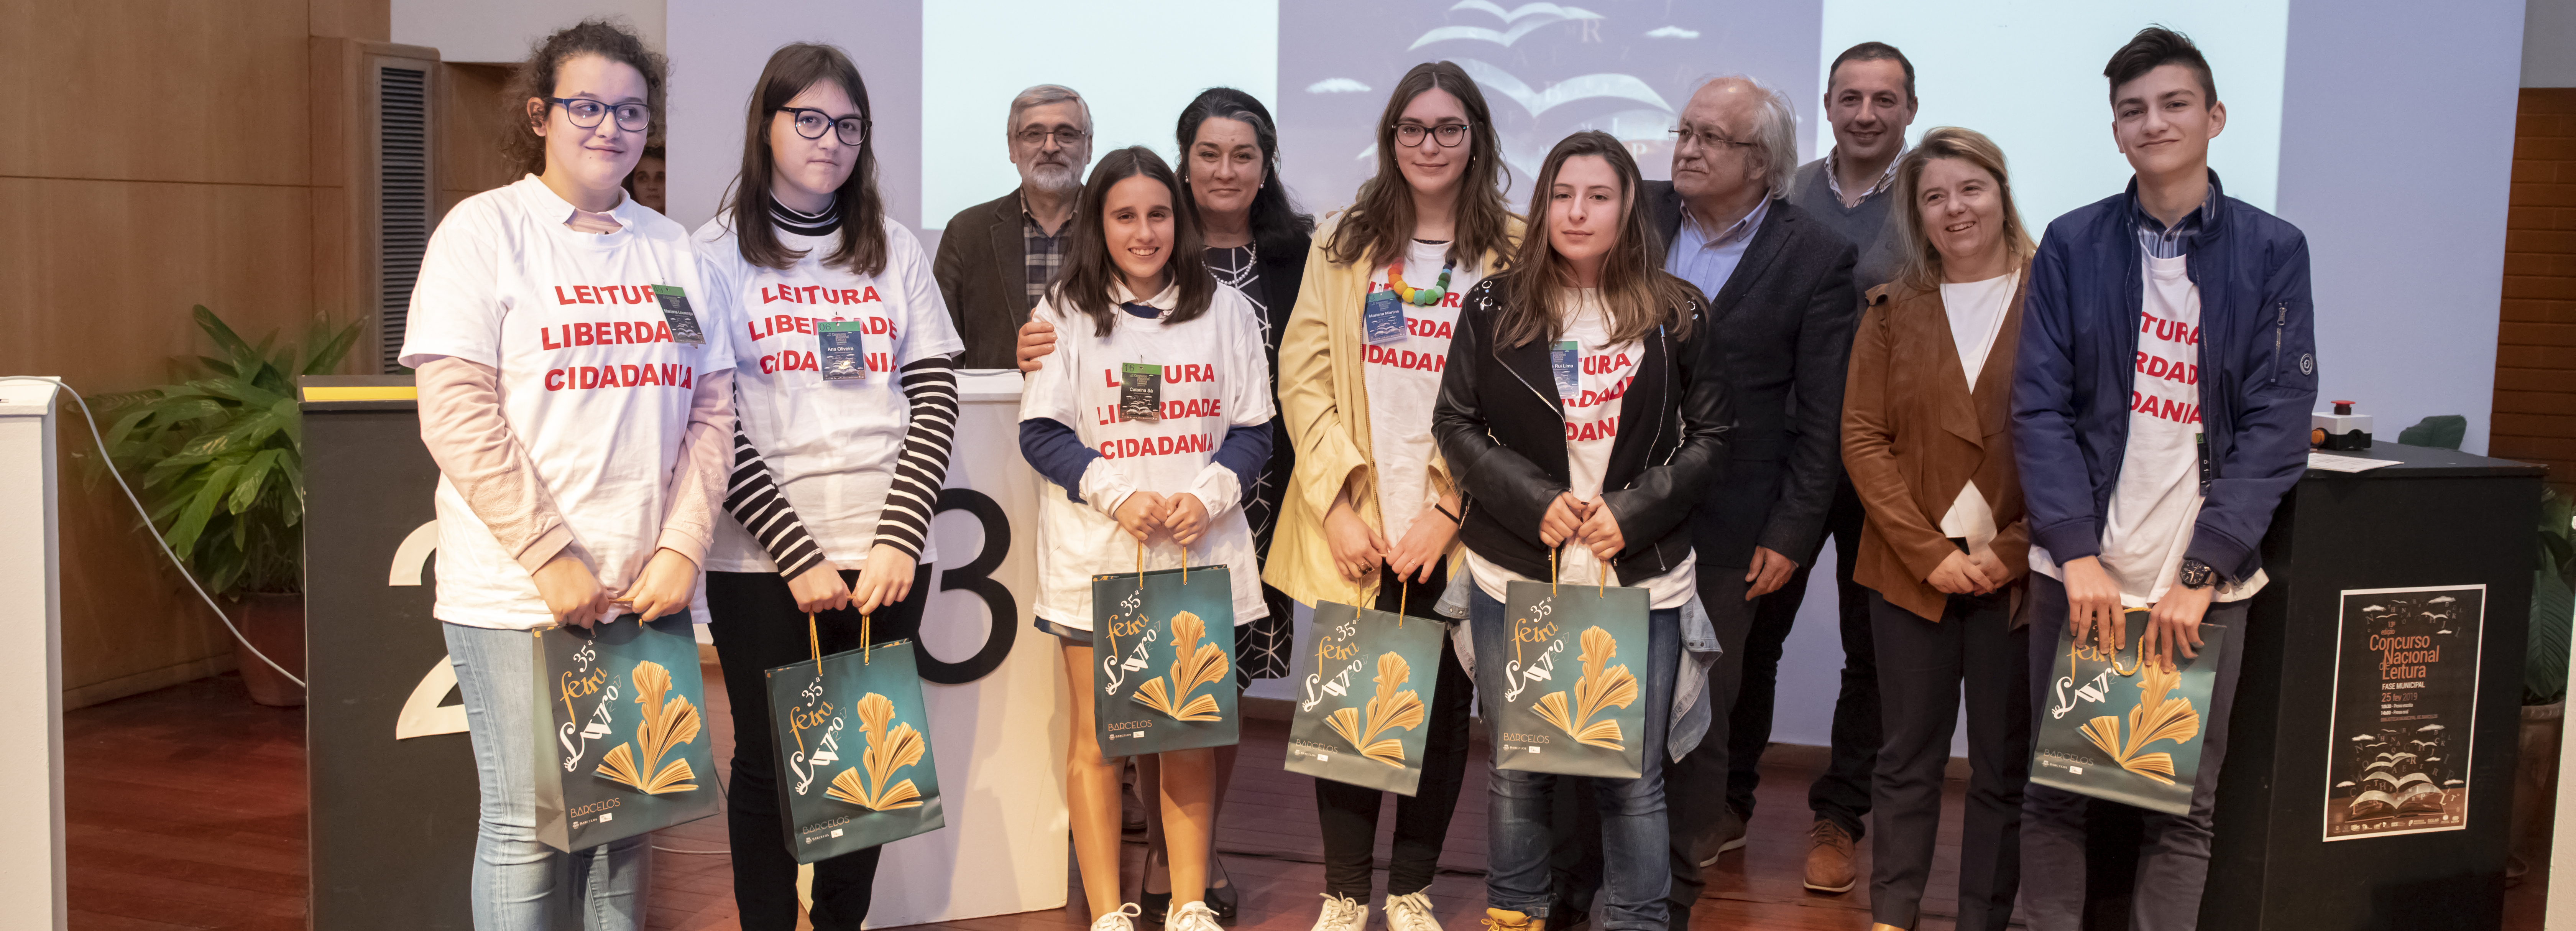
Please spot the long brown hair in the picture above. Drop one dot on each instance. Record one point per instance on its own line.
(1380, 223)
(1921, 270)
(791, 70)
(1083, 283)
(535, 78)
(1636, 293)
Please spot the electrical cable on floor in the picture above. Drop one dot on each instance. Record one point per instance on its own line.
(110, 463)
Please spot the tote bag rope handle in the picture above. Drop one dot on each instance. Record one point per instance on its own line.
(814, 641)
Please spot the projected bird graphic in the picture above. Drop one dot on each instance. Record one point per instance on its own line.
(1537, 14)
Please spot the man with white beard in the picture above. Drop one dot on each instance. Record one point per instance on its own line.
(995, 258)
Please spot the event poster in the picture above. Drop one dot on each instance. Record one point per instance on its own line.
(2405, 706)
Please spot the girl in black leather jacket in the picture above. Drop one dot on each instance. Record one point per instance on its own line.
(1582, 412)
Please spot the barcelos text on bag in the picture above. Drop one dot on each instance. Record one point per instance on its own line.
(1567, 697)
(622, 746)
(1162, 659)
(853, 738)
(1359, 713)
(2123, 730)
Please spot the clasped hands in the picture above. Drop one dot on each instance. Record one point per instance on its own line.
(1589, 523)
(1145, 514)
(2093, 609)
(1977, 572)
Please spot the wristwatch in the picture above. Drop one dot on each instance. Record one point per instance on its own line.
(2196, 574)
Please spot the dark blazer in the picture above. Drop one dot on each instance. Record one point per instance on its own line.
(1784, 324)
(982, 271)
(1504, 436)
(1283, 271)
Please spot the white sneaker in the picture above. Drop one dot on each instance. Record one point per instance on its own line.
(1196, 916)
(1123, 918)
(1342, 914)
(1410, 913)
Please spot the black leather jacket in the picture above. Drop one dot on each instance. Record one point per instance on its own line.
(1502, 428)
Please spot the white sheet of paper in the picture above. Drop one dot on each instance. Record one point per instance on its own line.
(2334, 463)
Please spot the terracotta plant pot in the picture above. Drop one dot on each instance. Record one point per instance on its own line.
(275, 623)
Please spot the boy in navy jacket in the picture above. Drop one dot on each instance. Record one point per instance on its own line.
(2161, 398)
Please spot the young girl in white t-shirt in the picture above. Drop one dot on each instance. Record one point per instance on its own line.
(580, 435)
(839, 449)
(1133, 289)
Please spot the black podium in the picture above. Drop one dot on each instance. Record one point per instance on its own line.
(388, 768)
(2347, 552)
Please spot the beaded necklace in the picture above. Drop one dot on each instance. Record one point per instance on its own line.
(1419, 297)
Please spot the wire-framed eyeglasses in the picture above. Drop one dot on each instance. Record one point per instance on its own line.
(1449, 135)
(810, 123)
(587, 113)
(1708, 139)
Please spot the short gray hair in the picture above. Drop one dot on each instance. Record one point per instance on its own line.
(1775, 132)
(1040, 96)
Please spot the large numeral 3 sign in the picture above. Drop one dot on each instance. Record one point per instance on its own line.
(423, 715)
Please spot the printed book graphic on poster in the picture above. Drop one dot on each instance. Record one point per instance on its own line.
(2405, 704)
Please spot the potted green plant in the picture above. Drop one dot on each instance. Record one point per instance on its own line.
(221, 473)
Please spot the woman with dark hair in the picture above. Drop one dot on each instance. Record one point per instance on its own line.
(1375, 509)
(1609, 458)
(568, 493)
(1256, 244)
(839, 449)
(1135, 289)
(1945, 552)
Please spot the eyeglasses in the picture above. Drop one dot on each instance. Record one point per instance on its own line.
(1707, 138)
(1066, 136)
(1449, 135)
(810, 123)
(586, 113)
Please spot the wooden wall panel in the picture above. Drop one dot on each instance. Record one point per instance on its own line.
(205, 91)
(201, 189)
(2535, 397)
(77, 303)
(471, 132)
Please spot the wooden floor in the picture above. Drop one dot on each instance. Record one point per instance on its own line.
(185, 810)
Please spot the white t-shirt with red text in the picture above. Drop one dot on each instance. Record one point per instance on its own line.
(592, 385)
(2155, 505)
(1216, 376)
(1592, 424)
(831, 445)
(1403, 383)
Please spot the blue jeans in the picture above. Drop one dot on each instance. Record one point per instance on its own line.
(519, 882)
(1635, 875)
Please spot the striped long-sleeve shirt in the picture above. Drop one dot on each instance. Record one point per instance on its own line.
(930, 395)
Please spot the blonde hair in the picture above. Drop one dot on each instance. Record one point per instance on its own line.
(1921, 268)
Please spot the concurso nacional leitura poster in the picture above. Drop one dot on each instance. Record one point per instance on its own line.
(2405, 705)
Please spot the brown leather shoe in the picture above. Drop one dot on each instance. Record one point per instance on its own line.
(1829, 859)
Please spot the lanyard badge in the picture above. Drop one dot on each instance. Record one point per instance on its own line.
(1566, 361)
(1383, 318)
(845, 349)
(1140, 391)
(675, 309)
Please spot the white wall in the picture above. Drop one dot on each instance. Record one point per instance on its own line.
(2406, 321)
(501, 30)
(2549, 43)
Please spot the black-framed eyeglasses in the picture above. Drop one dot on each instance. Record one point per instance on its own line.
(810, 124)
(1067, 136)
(586, 113)
(1706, 138)
(1449, 135)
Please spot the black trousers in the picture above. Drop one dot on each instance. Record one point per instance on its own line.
(1348, 813)
(756, 627)
(1920, 680)
(1842, 794)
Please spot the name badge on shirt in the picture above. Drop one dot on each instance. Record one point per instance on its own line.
(1566, 362)
(1383, 318)
(845, 349)
(1140, 391)
(675, 308)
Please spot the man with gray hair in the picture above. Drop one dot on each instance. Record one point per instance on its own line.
(1779, 284)
(995, 258)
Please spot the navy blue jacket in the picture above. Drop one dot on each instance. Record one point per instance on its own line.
(2079, 341)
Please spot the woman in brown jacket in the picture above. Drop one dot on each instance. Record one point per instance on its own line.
(1927, 440)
